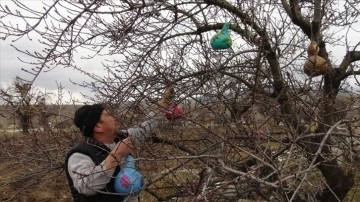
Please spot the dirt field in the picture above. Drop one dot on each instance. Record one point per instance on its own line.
(25, 175)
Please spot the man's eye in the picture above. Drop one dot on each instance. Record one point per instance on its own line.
(110, 115)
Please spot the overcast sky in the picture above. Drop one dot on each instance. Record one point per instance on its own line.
(10, 65)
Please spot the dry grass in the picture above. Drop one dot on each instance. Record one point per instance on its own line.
(26, 173)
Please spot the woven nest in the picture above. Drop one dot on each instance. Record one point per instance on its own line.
(315, 66)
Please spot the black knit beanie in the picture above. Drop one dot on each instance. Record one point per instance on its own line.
(86, 118)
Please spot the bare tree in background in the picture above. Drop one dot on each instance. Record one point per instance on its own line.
(146, 44)
(19, 99)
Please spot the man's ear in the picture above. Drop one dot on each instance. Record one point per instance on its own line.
(98, 128)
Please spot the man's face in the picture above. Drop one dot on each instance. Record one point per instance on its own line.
(108, 123)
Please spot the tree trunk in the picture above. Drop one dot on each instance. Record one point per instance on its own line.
(25, 124)
(339, 181)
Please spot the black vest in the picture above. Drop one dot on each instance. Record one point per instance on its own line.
(97, 152)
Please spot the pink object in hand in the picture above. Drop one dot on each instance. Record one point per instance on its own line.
(175, 111)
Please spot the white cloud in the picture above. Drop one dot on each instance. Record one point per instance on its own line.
(10, 68)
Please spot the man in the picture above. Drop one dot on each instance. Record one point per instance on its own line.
(92, 165)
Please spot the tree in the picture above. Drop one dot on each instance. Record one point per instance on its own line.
(24, 103)
(151, 43)
(19, 100)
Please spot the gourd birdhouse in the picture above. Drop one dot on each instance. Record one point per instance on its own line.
(222, 39)
(315, 65)
(313, 48)
(128, 180)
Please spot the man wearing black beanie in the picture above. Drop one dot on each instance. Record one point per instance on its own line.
(91, 166)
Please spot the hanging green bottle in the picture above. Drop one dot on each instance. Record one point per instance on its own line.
(222, 39)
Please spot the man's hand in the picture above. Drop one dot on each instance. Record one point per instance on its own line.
(167, 97)
(122, 148)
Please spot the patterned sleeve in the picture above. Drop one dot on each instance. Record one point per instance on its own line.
(141, 132)
(87, 177)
